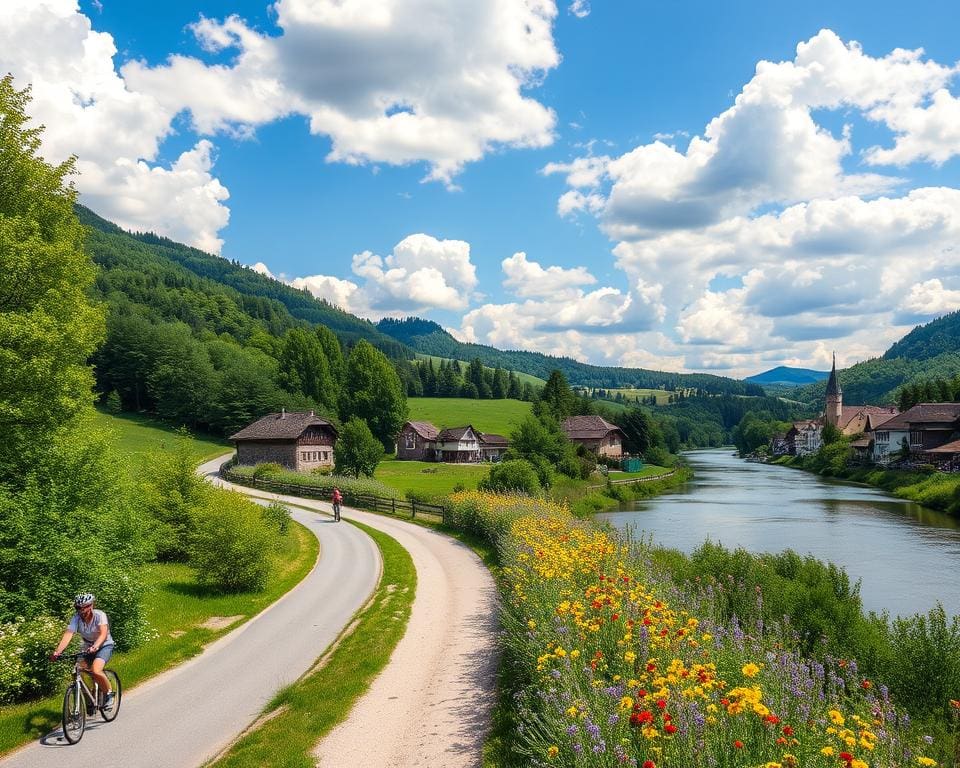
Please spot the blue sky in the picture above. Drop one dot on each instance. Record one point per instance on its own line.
(530, 174)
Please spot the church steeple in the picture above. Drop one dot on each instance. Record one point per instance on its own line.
(834, 396)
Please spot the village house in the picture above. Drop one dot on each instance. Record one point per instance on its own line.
(422, 441)
(596, 434)
(296, 440)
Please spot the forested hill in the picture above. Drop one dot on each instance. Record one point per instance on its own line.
(183, 283)
(937, 337)
(429, 338)
(928, 353)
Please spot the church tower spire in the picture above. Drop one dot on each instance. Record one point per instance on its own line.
(834, 396)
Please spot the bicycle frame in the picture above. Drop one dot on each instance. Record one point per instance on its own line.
(90, 697)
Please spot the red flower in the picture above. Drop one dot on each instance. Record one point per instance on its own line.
(642, 693)
(614, 617)
(661, 704)
(651, 667)
(772, 719)
(866, 685)
(787, 730)
(846, 757)
(640, 718)
(781, 741)
(649, 764)
(670, 728)
(738, 744)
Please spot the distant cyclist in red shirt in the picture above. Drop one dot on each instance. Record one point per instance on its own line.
(337, 499)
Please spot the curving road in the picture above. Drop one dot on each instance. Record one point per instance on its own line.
(431, 705)
(185, 716)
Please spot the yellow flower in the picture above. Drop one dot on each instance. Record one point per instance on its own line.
(552, 752)
(827, 751)
(532, 624)
(836, 717)
(750, 670)
(926, 761)
(859, 764)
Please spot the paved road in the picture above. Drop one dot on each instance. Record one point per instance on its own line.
(431, 705)
(185, 716)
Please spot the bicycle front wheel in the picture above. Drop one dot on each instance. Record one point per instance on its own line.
(74, 715)
(111, 714)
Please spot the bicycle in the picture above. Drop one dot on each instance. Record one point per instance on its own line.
(79, 701)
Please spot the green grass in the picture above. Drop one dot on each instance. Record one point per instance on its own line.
(630, 393)
(523, 377)
(139, 436)
(308, 709)
(650, 470)
(497, 416)
(429, 478)
(174, 605)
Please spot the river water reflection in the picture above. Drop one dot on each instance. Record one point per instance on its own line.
(906, 556)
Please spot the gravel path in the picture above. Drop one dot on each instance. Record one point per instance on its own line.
(431, 705)
(183, 717)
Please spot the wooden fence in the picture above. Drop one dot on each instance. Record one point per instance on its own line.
(399, 507)
(634, 480)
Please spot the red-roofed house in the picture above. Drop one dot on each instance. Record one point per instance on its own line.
(417, 441)
(421, 441)
(596, 434)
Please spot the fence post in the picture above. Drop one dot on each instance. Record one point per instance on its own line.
(393, 506)
(413, 508)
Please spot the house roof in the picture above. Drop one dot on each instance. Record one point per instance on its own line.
(951, 447)
(425, 429)
(282, 426)
(490, 439)
(455, 433)
(589, 428)
(860, 413)
(925, 413)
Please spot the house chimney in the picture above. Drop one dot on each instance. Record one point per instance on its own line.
(311, 413)
(283, 413)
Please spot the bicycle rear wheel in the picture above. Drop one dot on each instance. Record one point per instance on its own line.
(74, 715)
(111, 714)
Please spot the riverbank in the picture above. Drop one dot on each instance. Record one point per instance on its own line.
(936, 490)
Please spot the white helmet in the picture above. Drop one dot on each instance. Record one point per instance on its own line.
(83, 599)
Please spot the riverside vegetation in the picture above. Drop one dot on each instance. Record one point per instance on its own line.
(620, 653)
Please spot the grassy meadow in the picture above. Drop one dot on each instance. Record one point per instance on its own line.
(137, 437)
(429, 478)
(497, 416)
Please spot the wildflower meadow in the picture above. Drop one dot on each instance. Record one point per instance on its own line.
(611, 665)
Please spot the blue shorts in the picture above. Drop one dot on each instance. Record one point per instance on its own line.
(104, 653)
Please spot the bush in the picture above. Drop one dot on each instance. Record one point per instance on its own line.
(267, 468)
(357, 451)
(25, 671)
(232, 547)
(320, 485)
(514, 476)
(277, 516)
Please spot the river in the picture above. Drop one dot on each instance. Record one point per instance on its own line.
(906, 556)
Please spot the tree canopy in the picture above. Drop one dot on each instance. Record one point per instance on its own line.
(372, 391)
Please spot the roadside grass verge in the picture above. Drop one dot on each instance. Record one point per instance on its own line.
(175, 604)
(302, 713)
(427, 478)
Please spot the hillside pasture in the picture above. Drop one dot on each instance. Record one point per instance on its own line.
(497, 416)
(525, 378)
(136, 437)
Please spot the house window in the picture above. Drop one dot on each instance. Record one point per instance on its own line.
(410, 440)
(916, 438)
(883, 437)
(304, 456)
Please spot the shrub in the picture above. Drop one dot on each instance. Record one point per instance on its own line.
(25, 671)
(171, 493)
(278, 516)
(267, 468)
(357, 451)
(320, 485)
(232, 547)
(514, 476)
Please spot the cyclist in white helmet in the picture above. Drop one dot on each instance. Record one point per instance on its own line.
(94, 628)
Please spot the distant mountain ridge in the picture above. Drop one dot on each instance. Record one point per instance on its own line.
(428, 337)
(783, 374)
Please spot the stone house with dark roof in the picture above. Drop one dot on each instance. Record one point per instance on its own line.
(296, 440)
(596, 434)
